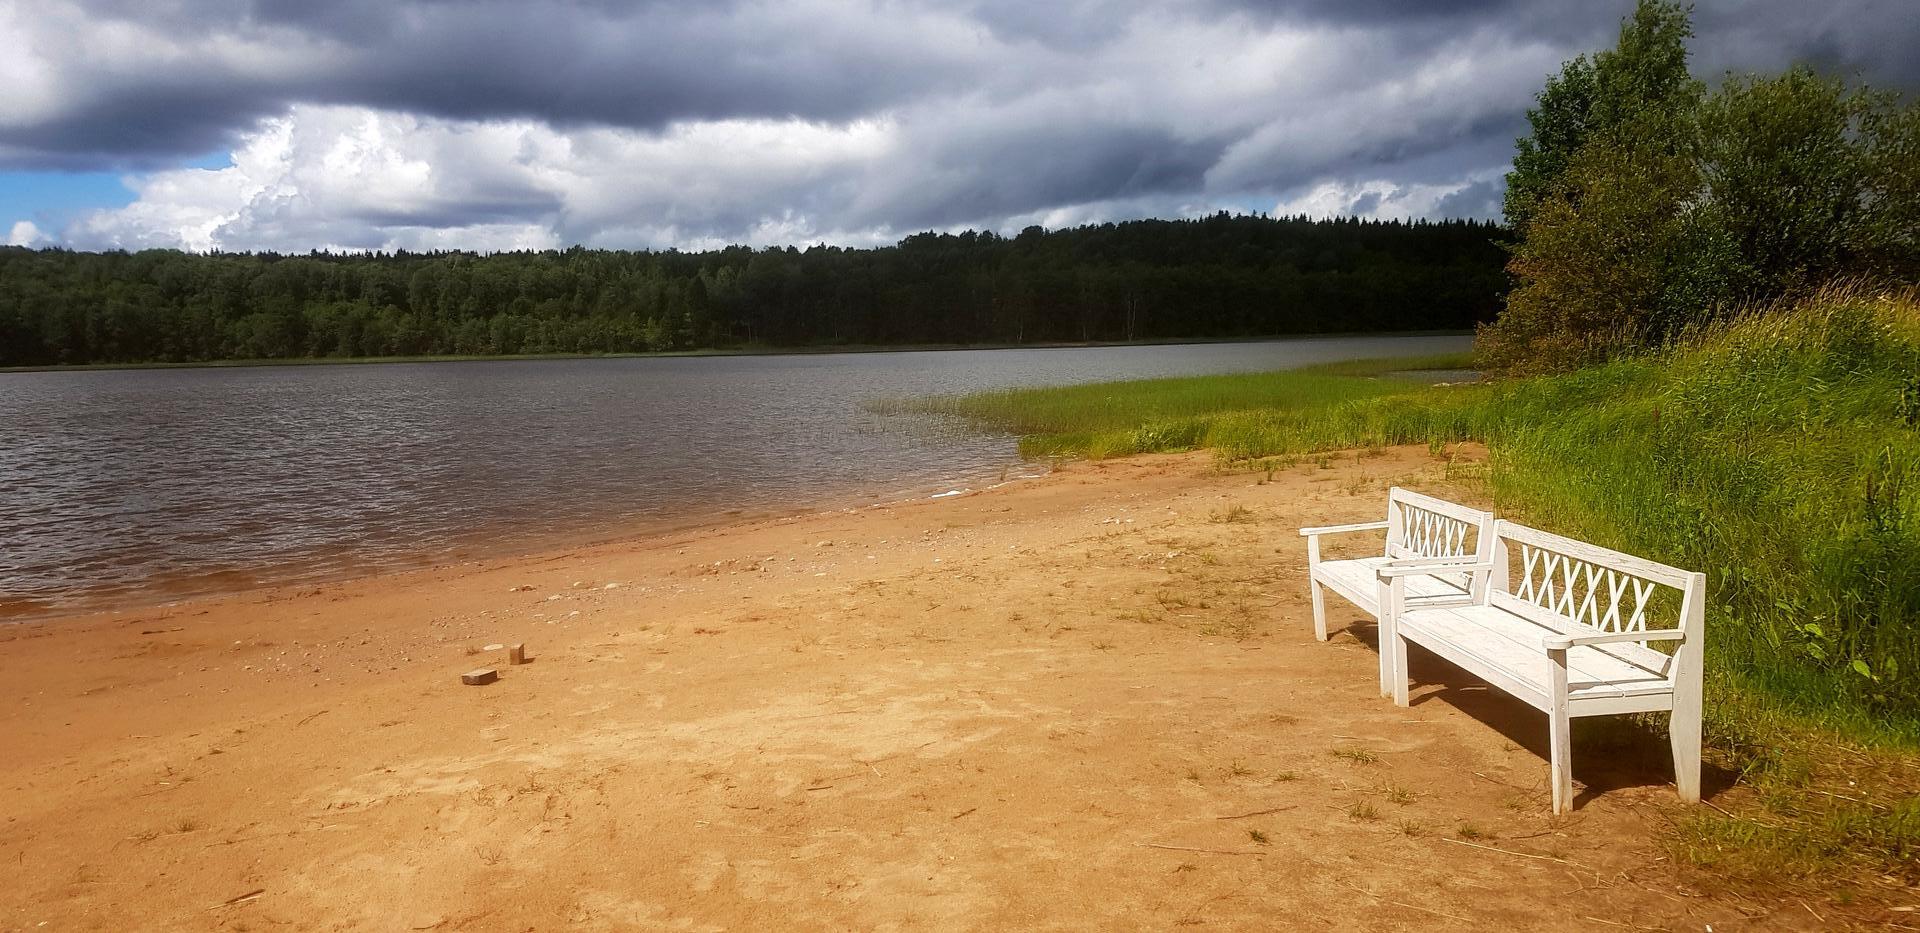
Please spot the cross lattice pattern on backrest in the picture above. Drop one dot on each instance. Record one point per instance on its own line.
(1431, 534)
(1607, 599)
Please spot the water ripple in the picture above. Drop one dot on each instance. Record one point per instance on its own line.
(118, 486)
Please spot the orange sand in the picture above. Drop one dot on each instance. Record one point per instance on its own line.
(1077, 702)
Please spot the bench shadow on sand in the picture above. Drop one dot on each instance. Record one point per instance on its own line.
(1609, 752)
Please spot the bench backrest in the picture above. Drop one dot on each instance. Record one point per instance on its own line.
(1423, 526)
(1581, 589)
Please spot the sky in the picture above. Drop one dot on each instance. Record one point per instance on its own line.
(293, 125)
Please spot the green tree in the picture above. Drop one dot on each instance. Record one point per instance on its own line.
(1602, 195)
(1887, 239)
(1645, 73)
(1610, 256)
(1784, 170)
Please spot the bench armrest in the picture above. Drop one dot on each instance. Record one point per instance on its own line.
(1427, 566)
(1563, 642)
(1338, 529)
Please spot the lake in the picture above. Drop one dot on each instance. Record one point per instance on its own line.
(131, 486)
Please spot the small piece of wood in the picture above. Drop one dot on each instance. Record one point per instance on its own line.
(239, 898)
(516, 654)
(1475, 845)
(1242, 816)
(485, 675)
(1156, 845)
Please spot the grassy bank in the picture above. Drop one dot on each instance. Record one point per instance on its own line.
(1778, 453)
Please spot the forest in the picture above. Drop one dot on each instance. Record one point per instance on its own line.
(1218, 277)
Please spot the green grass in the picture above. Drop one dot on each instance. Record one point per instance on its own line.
(1779, 453)
(1122, 418)
(1810, 814)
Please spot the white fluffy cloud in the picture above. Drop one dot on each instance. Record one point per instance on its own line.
(1381, 199)
(25, 233)
(354, 178)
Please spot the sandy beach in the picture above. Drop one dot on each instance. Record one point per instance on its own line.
(1090, 700)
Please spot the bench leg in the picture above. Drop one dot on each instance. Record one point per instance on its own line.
(1684, 733)
(1319, 612)
(1561, 729)
(1392, 600)
(1683, 730)
(1683, 727)
(1399, 674)
(1319, 597)
(1560, 734)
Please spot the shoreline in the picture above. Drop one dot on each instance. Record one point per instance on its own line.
(985, 710)
(720, 352)
(169, 592)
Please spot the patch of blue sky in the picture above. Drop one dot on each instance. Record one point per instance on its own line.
(53, 200)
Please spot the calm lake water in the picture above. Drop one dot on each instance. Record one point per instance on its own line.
(132, 486)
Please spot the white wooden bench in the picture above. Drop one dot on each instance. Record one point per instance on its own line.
(1422, 531)
(1570, 639)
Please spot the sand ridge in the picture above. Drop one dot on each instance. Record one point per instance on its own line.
(1088, 700)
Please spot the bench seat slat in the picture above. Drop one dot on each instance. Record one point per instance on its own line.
(1637, 654)
(1357, 580)
(1505, 649)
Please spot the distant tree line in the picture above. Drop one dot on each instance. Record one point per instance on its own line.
(1222, 276)
(1645, 204)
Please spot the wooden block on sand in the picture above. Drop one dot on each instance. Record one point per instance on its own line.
(485, 675)
(516, 654)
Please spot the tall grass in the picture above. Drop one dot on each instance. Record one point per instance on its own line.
(1778, 452)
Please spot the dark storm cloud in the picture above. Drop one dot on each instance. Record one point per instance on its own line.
(1480, 199)
(615, 64)
(143, 128)
(640, 68)
(646, 64)
(976, 178)
(1570, 23)
(1065, 24)
(993, 109)
(463, 213)
(1375, 12)
(1870, 40)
